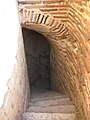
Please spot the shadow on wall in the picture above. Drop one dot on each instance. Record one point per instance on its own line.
(37, 50)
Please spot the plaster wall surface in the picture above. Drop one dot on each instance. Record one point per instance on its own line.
(17, 95)
(14, 87)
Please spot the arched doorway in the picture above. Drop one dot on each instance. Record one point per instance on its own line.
(46, 101)
(37, 51)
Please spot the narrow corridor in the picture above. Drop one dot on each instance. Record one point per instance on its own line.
(45, 103)
(45, 60)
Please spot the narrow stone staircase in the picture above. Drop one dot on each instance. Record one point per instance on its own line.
(50, 105)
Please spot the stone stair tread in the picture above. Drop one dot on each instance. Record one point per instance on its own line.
(49, 105)
(44, 94)
(48, 98)
(53, 109)
(48, 116)
(51, 102)
(39, 93)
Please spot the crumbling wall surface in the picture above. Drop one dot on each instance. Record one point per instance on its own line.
(79, 27)
(13, 69)
(72, 56)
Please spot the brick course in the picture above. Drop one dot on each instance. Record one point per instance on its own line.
(66, 25)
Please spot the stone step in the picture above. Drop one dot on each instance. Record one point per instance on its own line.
(48, 116)
(47, 94)
(51, 102)
(40, 95)
(44, 94)
(53, 97)
(53, 109)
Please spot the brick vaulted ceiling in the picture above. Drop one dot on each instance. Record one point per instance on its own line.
(66, 25)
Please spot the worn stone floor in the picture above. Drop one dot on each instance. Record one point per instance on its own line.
(49, 105)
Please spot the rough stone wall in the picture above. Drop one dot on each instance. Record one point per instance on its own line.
(17, 95)
(38, 59)
(14, 89)
(70, 52)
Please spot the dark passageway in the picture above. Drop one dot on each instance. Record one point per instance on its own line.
(44, 98)
(37, 50)
(25, 64)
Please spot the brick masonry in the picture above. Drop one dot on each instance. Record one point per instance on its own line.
(66, 25)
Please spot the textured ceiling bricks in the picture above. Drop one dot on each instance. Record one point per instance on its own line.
(66, 25)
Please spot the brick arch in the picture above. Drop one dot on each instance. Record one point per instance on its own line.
(52, 29)
(55, 32)
(71, 50)
(44, 24)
